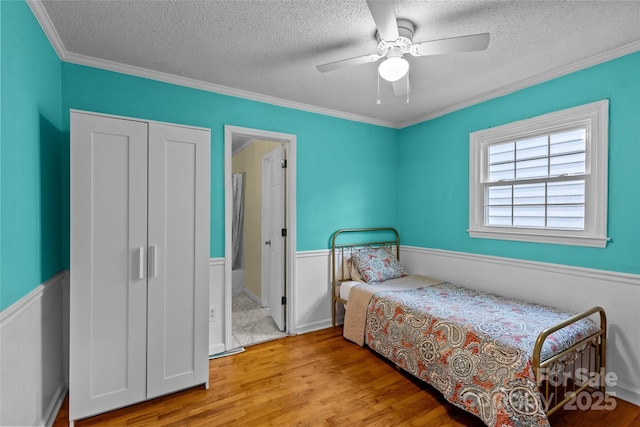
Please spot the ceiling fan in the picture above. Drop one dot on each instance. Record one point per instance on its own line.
(395, 40)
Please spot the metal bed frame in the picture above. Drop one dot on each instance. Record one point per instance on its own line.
(341, 252)
(555, 376)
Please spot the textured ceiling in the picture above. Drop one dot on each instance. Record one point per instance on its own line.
(269, 49)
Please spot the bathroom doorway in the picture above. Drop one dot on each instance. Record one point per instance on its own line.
(259, 239)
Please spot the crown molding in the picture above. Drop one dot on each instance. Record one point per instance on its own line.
(45, 22)
(47, 26)
(216, 88)
(530, 81)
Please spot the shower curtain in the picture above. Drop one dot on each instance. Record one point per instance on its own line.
(237, 182)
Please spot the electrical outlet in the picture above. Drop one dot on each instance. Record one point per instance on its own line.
(212, 313)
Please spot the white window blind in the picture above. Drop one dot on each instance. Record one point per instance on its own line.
(542, 179)
(537, 182)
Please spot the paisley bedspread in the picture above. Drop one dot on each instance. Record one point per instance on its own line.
(475, 348)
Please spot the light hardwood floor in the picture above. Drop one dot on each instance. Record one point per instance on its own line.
(317, 379)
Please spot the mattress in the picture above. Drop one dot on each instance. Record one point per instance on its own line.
(406, 282)
(345, 288)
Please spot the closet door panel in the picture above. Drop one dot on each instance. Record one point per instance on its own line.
(108, 294)
(178, 267)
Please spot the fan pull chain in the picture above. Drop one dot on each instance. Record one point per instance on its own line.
(378, 101)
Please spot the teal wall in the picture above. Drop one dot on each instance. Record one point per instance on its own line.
(38, 91)
(346, 171)
(349, 174)
(31, 175)
(434, 169)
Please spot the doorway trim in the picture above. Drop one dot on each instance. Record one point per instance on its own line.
(290, 273)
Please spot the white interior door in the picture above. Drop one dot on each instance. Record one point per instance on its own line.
(273, 224)
(178, 284)
(108, 298)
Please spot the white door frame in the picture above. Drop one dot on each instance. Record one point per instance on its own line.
(290, 256)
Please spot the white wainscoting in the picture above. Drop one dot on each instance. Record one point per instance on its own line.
(571, 288)
(34, 355)
(312, 297)
(313, 293)
(34, 347)
(216, 299)
(566, 287)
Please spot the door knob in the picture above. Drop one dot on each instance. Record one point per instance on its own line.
(267, 242)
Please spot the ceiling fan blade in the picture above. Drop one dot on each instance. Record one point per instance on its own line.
(451, 45)
(366, 59)
(385, 18)
(402, 87)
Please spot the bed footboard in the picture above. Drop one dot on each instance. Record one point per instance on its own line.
(562, 377)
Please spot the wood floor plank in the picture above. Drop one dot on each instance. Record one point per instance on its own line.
(316, 379)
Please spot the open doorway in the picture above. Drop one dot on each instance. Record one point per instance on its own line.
(259, 235)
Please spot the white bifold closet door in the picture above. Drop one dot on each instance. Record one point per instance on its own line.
(139, 261)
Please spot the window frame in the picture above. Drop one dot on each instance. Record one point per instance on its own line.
(595, 118)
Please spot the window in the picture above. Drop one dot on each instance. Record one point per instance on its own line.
(542, 179)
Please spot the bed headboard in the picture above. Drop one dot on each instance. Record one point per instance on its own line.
(348, 240)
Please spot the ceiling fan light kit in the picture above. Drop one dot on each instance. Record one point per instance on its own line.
(393, 68)
(395, 39)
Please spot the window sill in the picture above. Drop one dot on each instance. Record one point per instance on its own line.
(524, 235)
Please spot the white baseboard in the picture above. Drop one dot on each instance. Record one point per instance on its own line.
(33, 355)
(56, 403)
(315, 326)
(216, 348)
(253, 297)
(624, 393)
